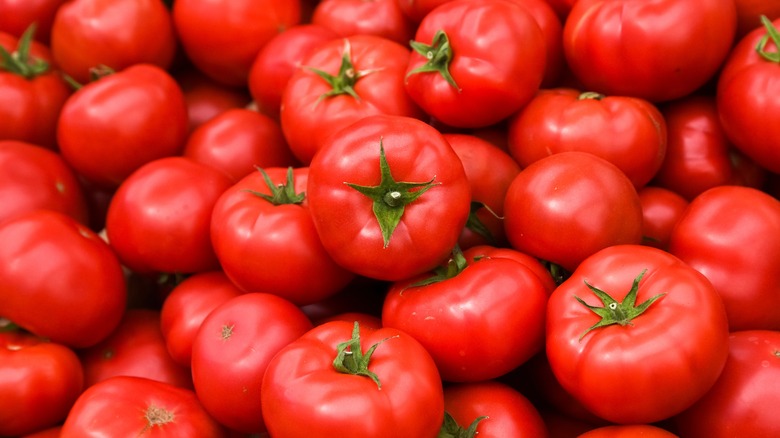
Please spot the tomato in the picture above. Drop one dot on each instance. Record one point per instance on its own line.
(59, 279)
(232, 349)
(478, 317)
(33, 177)
(109, 128)
(52, 432)
(135, 348)
(565, 207)
(749, 14)
(740, 403)
(18, 15)
(383, 18)
(749, 73)
(416, 10)
(648, 49)
(159, 217)
(206, 98)
(237, 30)
(636, 335)
(125, 406)
(475, 76)
(538, 268)
(39, 380)
(628, 431)
(699, 156)
(350, 381)
(340, 82)
(552, 28)
(628, 132)
(661, 210)
(389, 197)
(116, 33)
(237, 141)
(731, 234)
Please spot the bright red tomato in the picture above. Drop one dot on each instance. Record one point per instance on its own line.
(18, 15)
(636, 335)
(383, 18)
(628, 431)
(530, 262)
(552, 28)
(661, 209)
(416, 10)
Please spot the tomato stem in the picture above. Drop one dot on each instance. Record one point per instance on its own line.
(451, 429)
(771, 32)
(455, 265)
(590, 95)
(439, 55)
(280, 194)
(350, 358)
(19, 61)
(345, 80)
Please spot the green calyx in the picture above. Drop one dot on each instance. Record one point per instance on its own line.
(774, 35)
(19, 62)
(282, 193)
(344, 81)
(455, 265)
(474, 224)
(350, 358)
(390, 197)
(590, 95)
(614, 312)
(439, 56)
(451, 429)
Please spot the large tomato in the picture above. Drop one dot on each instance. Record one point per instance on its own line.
(636, 335)
(661, 209)
(18, 15)
(206, 98)
(383, 18)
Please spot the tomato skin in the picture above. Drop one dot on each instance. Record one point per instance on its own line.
(87, 300)
(628, 431)
(109, 128)
(749, 13)
(661, 209)
(552, 28)
(19, 14)
(685, 331)
(39, 380)
(354, 17)
(731, 234)
(301, 382)
(206, 98)
(138, 406)
(742, 400)
(528, 261)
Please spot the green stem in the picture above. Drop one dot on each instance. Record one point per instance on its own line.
(773, 34)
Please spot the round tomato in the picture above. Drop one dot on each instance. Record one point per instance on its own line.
(206, 98)
(18, 15)
(383, 18)
(749, 14)
(628, 431)
(661, 209)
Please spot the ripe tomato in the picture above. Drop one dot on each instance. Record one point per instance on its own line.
(552, 28)
(628, 431)
(383, 18)
(18, 15)
(206, 98)
(636, 335)
(661, 210)
(749, 14)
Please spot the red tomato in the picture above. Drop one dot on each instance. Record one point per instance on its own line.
(232, 349)
(33, 177)
(383, 18)
(39, 381)
(389, 197)
(628, 431)
(731, 234)
(661, 210)
(636, 335)
(58, 279)
(416, 10)
(18, 15)
(135, 348)
(648, 49)
(477, 75)
(626, 131)
(111, 127)
(567, 206)
(52, 432)
(222, 38)
(749, 14)
(115, 33)
(126, 406)
(552, 27)
(206, 98)
(349, 381)
(743, 399)
(532, 263)
(159, 218)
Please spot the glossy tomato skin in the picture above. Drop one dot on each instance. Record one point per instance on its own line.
(354, 17)
(661, 209)
(429, 227)
(19, 14)
(59, 279)
(552, 28)
(663, 63)
(109, 128)
(628, 431)
(528, 261)
(39, 380)
(228, 379)
(206, 98)
(138, 406)
(116, 33)
(740, 403)
(301, 382)
(658, 364)
(497, 63)
(731, 234)
(567, 206)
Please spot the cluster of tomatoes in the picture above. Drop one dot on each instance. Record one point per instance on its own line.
(389, 218)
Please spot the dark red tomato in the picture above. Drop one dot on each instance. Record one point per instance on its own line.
(206, 98)
(699, 156)
(52, 432)
(477, 75)
(552, 28)
(111, 127)
(136, 348)
(277, 61)
(222, 39)
(496, 409)
(187, 305)
(115, 33)
(731, 234)
(628, 431)
(231, 350)
(567, 206)
(39, 381)
(562, 7)
(636, 335)
(59, 279)
(489, 171)
(363, 319)
(417, 9)
(648, 49)
(33, 177)
(661, 209)
(237, 142)
(626, 131)
(743, 399)
(383, 18)
(18, 15)
(159, 218)
(749, 74)
(138, 407)
(749, 14)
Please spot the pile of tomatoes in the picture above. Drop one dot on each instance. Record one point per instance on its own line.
(389, 218)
